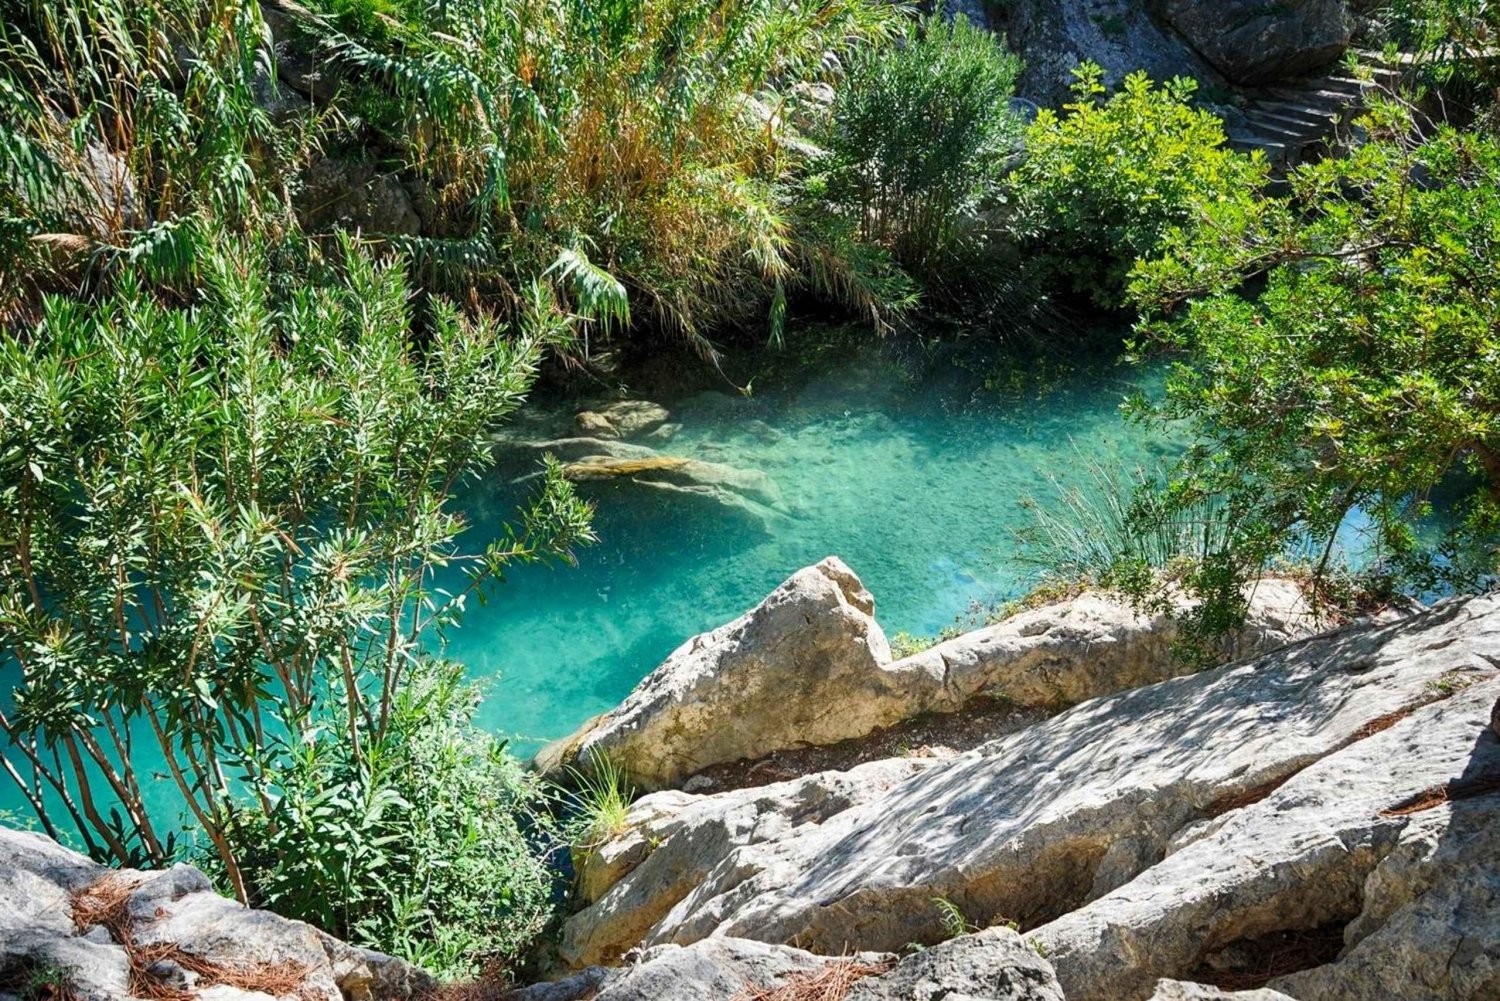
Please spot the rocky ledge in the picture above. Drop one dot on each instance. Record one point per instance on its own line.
(811, 666)
(1318, 822)
(112, 934)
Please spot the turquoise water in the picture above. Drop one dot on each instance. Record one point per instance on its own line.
(916, 474)
(919, 482)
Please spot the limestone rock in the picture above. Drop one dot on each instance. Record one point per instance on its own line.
(1086, 646)
(297, 64)
(672, 841)
(718, 968)
(356, 195)
(1054, 36)
(1084, 807)
(632, 417)
(994, 964)
(176, 907)
(800, 669)
(596, 425)
(1178, 990)
(590, 459)
(624, 419)
(771, 678)
(1403, 895)
(1253, 43)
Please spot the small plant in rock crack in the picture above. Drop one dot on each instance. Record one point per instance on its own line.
(37, 982)
(954, 922)
(599, 803)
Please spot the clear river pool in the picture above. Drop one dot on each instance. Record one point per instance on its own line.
(917, 476)
(917, 473)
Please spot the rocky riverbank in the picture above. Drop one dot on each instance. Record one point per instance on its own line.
(1317, 820)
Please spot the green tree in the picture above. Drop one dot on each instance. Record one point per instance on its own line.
(221, 527)
(1342, 351)
(916, 142)
(1103, 182)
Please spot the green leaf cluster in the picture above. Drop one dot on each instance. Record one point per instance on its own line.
(1341, 351)
(1104, 181)
(915, 146)
(222, 529)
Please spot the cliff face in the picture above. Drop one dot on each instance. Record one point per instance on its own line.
(1221, 42)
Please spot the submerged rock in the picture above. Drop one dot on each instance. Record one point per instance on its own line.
(746, 492)
(1140, 833)
(60, 911)
(624, 419)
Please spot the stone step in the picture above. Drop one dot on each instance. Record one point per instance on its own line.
(1294, 113)
(1267, 123)
(1290, 135)
(1318, 95)
(1247, 142)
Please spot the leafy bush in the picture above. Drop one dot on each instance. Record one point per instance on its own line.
(915, 144)
(1104, 182)
(224, 523)
(1360, 376)
(432, 844)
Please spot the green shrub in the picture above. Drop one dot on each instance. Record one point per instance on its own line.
(1340, 353)
(915, 143)
(225, 522)
(1103, 182)
(431, 844)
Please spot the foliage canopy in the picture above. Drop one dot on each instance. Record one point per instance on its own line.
(223, 527)
(1342, 351)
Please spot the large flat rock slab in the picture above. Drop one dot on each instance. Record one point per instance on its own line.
(1044, 825)
(1405, 900)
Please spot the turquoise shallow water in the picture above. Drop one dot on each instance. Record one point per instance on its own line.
(916, 475)
(918, 482)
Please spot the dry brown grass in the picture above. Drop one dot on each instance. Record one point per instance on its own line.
(1448, 792)
(106, 902)
(1380, 723)
(832, 983)
(1275, 955)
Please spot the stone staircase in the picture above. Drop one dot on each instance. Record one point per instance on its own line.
(1294, 120)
